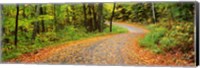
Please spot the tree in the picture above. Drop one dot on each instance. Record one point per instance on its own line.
(55, 18)
(94, 17)
(153, 12)
(42, 21)
(1, 21)
(91, 28)
(73, 14)
(16, 24)
(85, 15)
(100, 16)
(36, 23)
(112, 17)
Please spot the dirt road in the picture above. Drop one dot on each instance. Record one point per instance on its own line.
(106, 51)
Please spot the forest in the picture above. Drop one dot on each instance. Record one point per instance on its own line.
(28, 28)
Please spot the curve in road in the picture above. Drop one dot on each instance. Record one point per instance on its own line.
(103, 52)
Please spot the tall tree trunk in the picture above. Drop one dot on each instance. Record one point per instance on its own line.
(38, 27)
(1, 14)
(38, 22)
(1, 18)
(100, 16)
(35, 29)
(16, 24)
(94, 18)
(85, 15)
(153, 12)
(54, 14)
(42, 21)
(90, 19)
(112, 17)
(1, 23)
(74, 16)
(43, 26)
(55, 19)
(1, 28)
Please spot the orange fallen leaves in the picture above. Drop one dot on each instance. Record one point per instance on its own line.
(149, 58)
(40, 55)
(146, 57)
(132, 51)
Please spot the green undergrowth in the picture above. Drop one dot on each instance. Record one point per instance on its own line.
(53, 38)
(165, 38)
(151, 39)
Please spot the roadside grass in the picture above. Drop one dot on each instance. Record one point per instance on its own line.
(51, 38)
(151, 39)
(162, 39)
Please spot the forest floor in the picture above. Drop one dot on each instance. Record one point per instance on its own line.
(114, 49)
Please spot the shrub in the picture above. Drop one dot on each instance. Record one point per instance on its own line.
(45, 37)
(167, 42)
(151, 39)
(162, 39)
(182, 38)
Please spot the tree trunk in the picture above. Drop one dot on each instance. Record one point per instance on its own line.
(90, 19)
(54, 14)
(38, 22)
(43, 26)
(94, 18)
(42, 21)
(85, 15)
(1, 16)
(55, 19)
(153, 12)
(112, 17)
(35, 30)
(100, 16)
(73, 13)
(16, 24)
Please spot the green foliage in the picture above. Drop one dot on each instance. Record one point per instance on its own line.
(167, 42)
(161, 39)
(151, 39)
(65, 22)
(46, 37)
(142, 12)
(182, 37)
(116, 29)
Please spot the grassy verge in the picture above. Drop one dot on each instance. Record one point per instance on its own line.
(151, 39)
(51, 38)
(167, 38)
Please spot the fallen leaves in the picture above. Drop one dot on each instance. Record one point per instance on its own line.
(149, 58)
(48, 51)
(111, 49)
